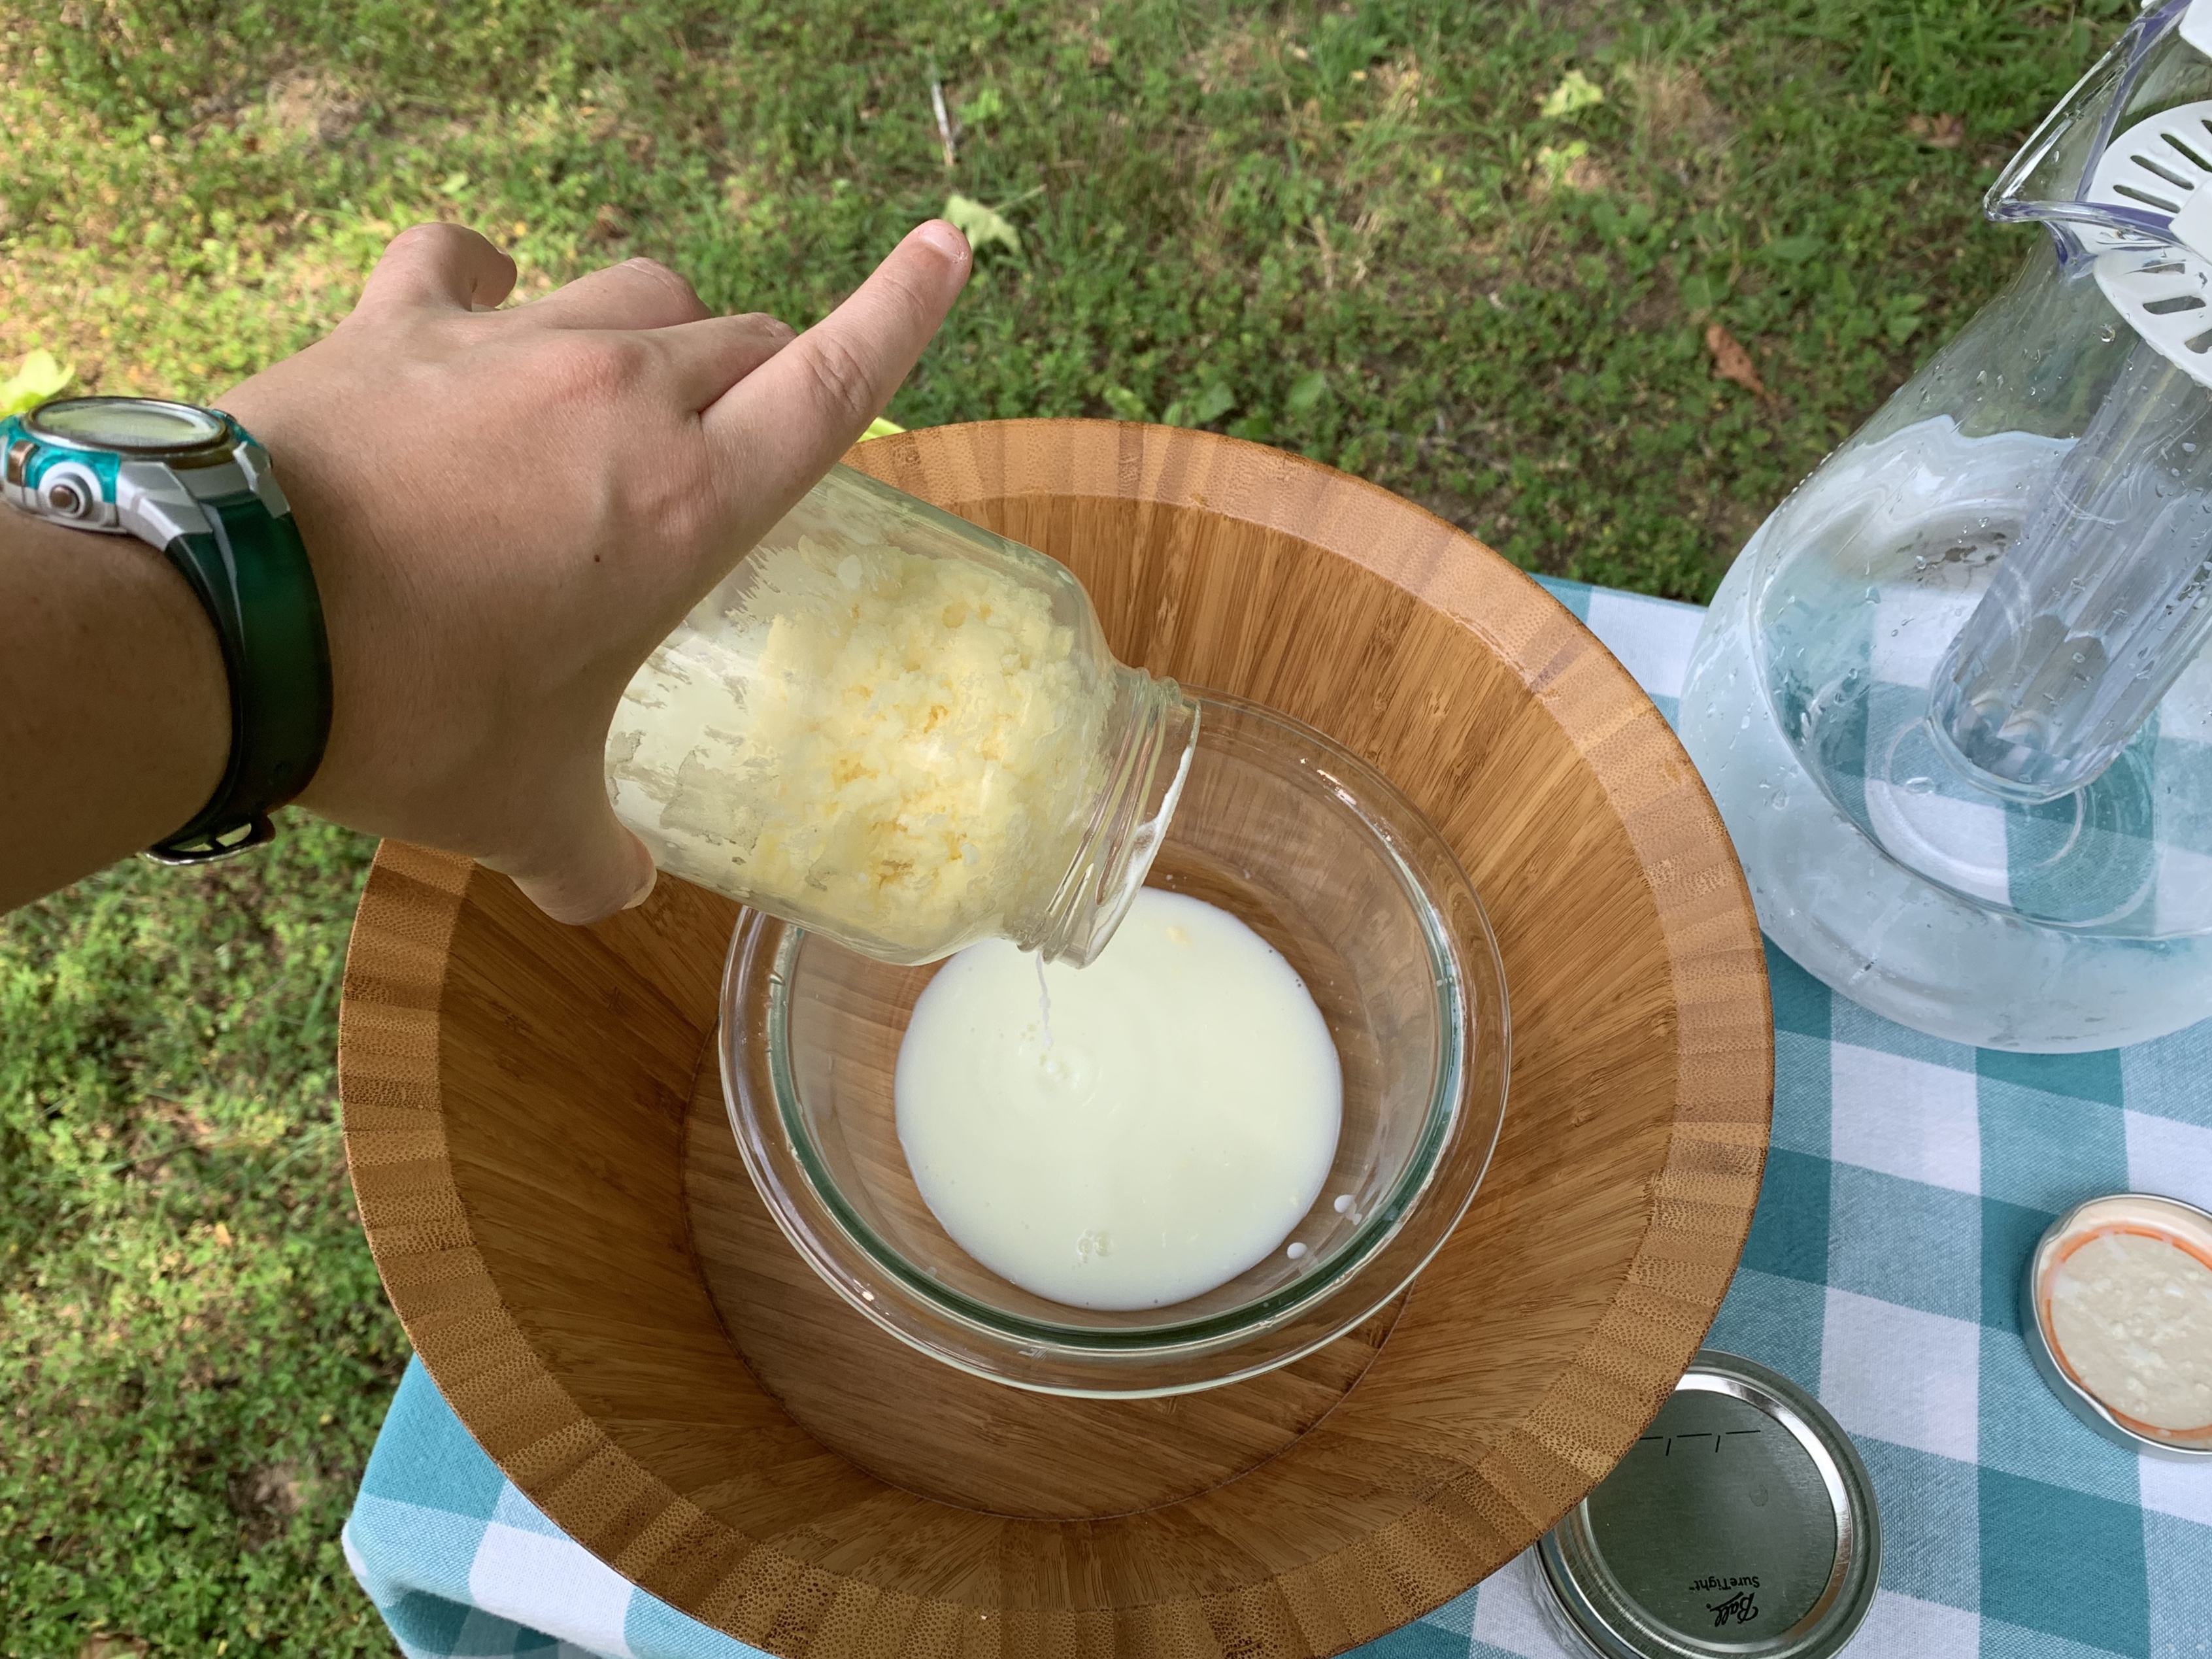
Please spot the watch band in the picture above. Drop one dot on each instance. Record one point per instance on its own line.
(193, 483)
(251, 573)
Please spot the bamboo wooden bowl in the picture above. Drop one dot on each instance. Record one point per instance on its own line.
(537, 1136)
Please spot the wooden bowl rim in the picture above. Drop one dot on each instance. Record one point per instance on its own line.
(415, 896)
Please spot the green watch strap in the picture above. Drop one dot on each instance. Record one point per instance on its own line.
(250, 571)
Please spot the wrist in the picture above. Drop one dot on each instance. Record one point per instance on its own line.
(191, 484)
(114, 709)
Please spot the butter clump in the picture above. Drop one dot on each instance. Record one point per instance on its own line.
(903, 747)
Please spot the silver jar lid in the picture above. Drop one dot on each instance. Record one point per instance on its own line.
(2183, 1225)
(1741, 1523)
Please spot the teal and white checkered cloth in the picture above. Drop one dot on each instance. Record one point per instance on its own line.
(1907, 1179)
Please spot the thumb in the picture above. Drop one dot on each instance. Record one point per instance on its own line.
(582, 864)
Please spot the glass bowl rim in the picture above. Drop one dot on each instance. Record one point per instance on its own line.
(1422, 861)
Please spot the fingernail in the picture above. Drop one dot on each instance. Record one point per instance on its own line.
(946, 240)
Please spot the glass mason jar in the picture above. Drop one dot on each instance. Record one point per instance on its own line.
(904, 733)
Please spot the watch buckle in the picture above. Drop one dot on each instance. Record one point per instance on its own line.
(210, 849)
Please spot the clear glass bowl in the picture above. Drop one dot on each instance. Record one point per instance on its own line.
(1316, 852)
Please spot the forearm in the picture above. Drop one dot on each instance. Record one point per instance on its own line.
(114, 713)
(507, 511)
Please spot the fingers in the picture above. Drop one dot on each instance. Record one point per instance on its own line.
(437, 267)
(636, 294)
(583, 865)
(710, 356)
(805, 406)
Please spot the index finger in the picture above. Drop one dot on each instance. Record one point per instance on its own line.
(791, 417)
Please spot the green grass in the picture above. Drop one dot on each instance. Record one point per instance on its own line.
(1350, 231)
(196, 1352)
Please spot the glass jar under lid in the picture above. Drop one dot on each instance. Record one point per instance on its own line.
(903, 731)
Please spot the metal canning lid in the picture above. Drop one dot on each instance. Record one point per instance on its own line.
(1742, 1524)
(2183, 1225)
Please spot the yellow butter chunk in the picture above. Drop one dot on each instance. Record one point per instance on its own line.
(2131, 1313)
(899, 746)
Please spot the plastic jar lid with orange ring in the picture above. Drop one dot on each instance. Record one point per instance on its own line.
(2115, 1307)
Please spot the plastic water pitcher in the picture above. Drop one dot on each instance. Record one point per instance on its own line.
(1952, 698)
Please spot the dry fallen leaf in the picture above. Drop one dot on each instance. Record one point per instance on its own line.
(276, 1490)
(1938, 131)
(223, 1235)
(1732, 363)
(112, 1647)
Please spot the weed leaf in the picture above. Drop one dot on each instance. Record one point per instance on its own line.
(1209, 407)
(985, 105)
(1575, 93)
(1559, 165)
(41, 376)
(982, 225)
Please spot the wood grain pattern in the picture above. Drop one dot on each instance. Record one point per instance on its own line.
(517, 1096)
(943, 1434)
(932, 1430)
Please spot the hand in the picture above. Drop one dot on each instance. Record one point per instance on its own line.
(508, 510)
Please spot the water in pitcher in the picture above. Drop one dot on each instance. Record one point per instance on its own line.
(1952, 698)
(1988, 920)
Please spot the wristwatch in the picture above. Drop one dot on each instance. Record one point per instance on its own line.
(194, 484)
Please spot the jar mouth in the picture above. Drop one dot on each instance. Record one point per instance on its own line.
(1431, 1119)
(1159, 726)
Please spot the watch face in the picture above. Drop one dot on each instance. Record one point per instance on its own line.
(143, 426)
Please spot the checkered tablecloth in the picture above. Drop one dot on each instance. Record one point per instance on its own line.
(1907, 1179)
